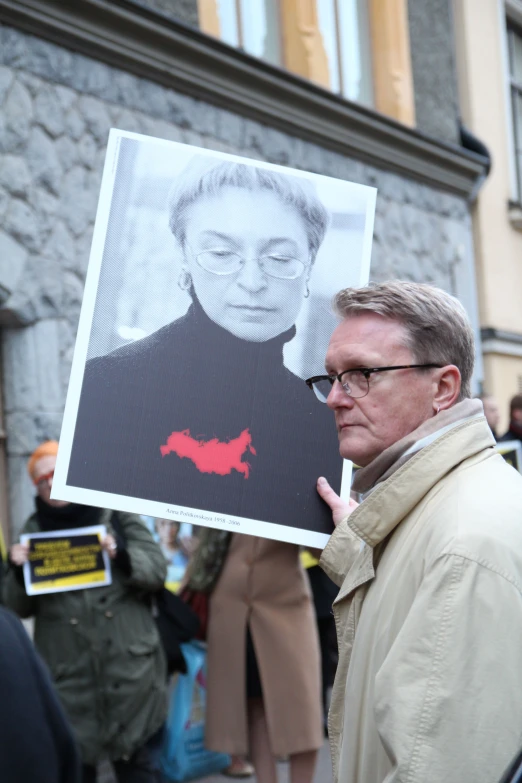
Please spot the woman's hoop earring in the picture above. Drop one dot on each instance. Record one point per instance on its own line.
(307, 292)
(185, 280)
(438, 410)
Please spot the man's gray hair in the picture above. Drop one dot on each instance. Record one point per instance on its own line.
(203, 176)
(437, 325)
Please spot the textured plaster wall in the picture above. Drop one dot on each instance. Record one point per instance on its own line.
(434, 73)
(56, 108)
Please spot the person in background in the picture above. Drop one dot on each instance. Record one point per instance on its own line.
(324, 593)
(263, 678)
(429, 565)
(36, 740)
(101, 644)
(167, 531)
(515, 420)
(491, 412)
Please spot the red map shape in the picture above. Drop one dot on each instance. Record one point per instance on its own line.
(211, 456)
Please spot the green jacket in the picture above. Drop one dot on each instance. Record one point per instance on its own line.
(102, 647)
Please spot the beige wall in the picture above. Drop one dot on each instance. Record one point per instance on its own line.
(480, 37)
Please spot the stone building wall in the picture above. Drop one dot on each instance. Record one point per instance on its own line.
(180, 10)
(432, 47)
(56, 108)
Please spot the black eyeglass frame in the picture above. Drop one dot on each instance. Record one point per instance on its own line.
(366, 372)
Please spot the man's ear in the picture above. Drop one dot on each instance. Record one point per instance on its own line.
(448, 388)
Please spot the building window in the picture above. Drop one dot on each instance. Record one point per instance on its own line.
(344, 29)
(327, 41)
(252, 25)
(515, 74)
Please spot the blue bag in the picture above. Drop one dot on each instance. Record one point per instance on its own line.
(184, 756)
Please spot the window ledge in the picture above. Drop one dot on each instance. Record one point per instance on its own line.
(515, 214)
(128, 36)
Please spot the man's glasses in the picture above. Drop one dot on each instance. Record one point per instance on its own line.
(356, 383)
(221, 261)
(44, 479)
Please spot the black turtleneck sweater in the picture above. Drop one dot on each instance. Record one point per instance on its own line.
(194, 376)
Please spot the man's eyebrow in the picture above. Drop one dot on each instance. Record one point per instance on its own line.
(351, 364)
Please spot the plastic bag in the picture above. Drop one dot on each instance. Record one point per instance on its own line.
(184, 756)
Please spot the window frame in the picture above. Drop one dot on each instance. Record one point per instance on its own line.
(515, 91)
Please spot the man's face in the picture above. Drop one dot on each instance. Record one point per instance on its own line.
(43, 478)
(398, 401)
(491, 412)
(249, 303)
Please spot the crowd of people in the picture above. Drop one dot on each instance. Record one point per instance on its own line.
(105, 660)
(424, 574)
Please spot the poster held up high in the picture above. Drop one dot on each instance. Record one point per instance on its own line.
(207, 303)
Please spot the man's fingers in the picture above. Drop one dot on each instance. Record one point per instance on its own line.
(327, 493)
(340, 508)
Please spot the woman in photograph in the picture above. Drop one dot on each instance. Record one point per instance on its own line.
(203, 413)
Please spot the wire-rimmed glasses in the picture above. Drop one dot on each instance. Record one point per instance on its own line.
(355, 383)
(222, 262)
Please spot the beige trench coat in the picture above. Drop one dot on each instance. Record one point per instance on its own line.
(429, 619)
(263, 585)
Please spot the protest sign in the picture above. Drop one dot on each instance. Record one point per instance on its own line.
(511, 450)
(63, 560)
(207, 303)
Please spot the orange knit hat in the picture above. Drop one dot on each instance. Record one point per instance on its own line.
(47, 449)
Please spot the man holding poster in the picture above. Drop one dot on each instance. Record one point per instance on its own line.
(206, 418)
(429, 565)
(101, 644)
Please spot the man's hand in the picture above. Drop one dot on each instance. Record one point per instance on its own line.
(19, 554)
(340, 508)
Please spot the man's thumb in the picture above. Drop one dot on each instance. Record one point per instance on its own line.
(327, 493)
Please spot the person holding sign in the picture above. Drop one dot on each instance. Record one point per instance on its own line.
(101, 645)
(429, 565)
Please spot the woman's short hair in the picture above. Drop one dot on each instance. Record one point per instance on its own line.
(204, 177)
(437, 325)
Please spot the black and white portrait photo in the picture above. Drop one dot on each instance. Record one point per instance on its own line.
(207, 304)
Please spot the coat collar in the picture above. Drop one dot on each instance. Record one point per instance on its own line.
(351, 547)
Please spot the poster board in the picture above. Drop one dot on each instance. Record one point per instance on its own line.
(207, 303)
(63, 560)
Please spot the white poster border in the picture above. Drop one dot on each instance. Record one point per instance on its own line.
(61, 490)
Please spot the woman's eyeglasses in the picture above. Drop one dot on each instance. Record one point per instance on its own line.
(221, 261)
(355, 383)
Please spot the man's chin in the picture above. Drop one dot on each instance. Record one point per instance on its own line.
(354, 452)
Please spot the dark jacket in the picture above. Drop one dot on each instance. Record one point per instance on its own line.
(36, 741)
(512, 434)
(101, 644)
(194, 376)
